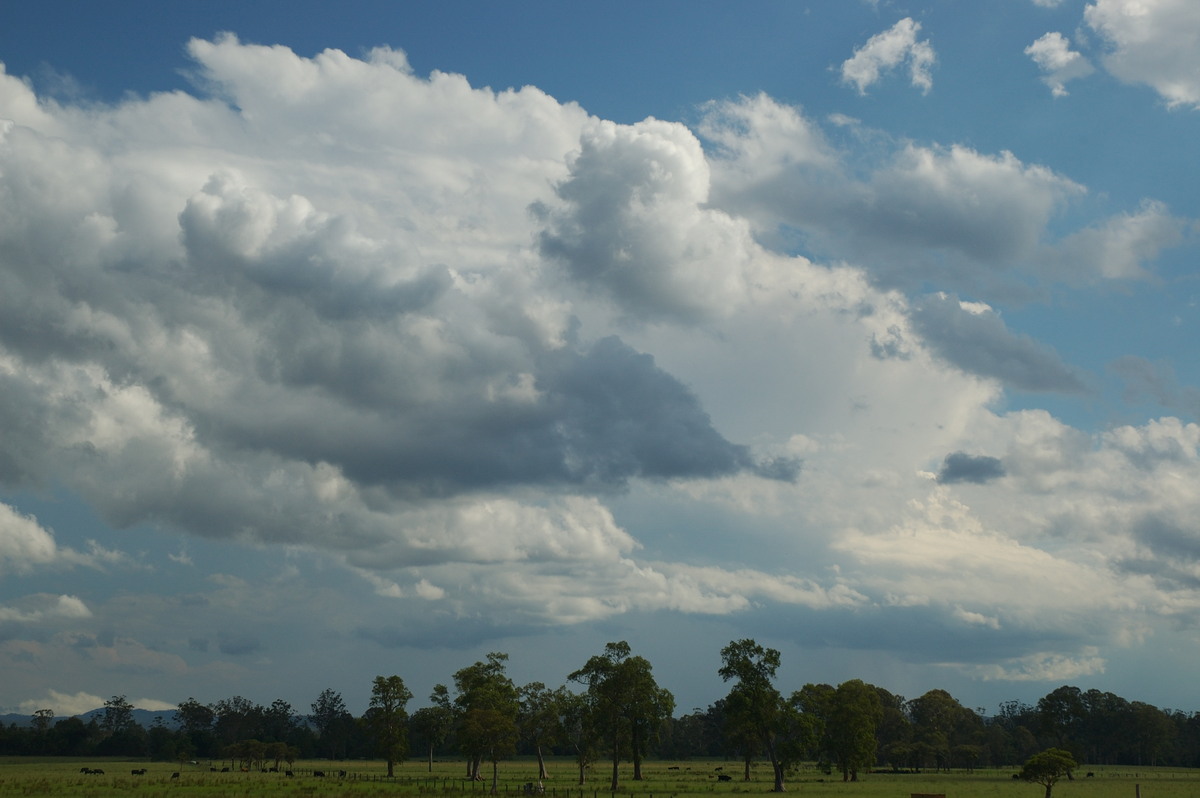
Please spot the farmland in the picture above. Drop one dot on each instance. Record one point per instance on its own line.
(35, 776)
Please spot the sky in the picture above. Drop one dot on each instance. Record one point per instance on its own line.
(364, 339)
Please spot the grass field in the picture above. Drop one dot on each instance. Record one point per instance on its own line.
(61, 777)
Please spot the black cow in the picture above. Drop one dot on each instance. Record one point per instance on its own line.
(318, 774)
(175, 775)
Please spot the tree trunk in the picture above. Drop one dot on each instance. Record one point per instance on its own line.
(746, 761)
(541, 764)
(616, 762)
(495, 775)
(636, 746)
(776, 768)
(431, 757)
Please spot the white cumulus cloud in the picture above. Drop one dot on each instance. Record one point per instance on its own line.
(1059, 63)
(886, 51)
(1155, 42)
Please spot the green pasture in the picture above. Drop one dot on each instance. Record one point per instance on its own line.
(61, 777)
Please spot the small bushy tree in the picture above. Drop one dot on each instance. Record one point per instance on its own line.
(1047, 767)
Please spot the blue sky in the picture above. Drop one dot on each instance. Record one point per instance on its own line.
(358, 340)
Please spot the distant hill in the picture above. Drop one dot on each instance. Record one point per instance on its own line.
(143, 717)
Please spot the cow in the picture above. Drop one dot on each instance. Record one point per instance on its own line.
(289, 774)
(318, 774)
(138, 772)
(341, 774)
(175, 775)
(724, 777)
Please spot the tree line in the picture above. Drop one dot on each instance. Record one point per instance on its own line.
(611, 711)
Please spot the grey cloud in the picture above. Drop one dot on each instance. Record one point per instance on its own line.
(441, 630)
(1170, 551)
(969, 221)
(976, 469)
(236, 644)
(980, 343)
(1156, 381)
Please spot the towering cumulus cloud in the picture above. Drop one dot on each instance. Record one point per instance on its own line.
(449, 364)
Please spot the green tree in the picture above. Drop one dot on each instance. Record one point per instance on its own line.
(815, 704)
(332, 722)
(388, 719)
(435, 722)
(237, 719)
(118, 715)
(540, 719)
(577, 720)
(626, 705)
(196, 724)
(854, 714)
(488, 705)
(1061, 714)
(940, 725)
(1048, 767)
(754, 710)
(278, 721)
(41, 720)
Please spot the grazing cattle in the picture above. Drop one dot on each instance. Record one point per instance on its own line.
(1016, 775)
(673, 767)
(531, 788)
(224, 770)
(212, 768)
(1090, 774)
(341, 774)
(724, 777)
(318, 774)
(138, 772)
(289, 774)
(175, 775)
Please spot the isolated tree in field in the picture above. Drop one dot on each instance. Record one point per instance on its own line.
(487, 705)
(388, 719)
(437, 721)
(854, 714)
(754, 709)
(1048, 767)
